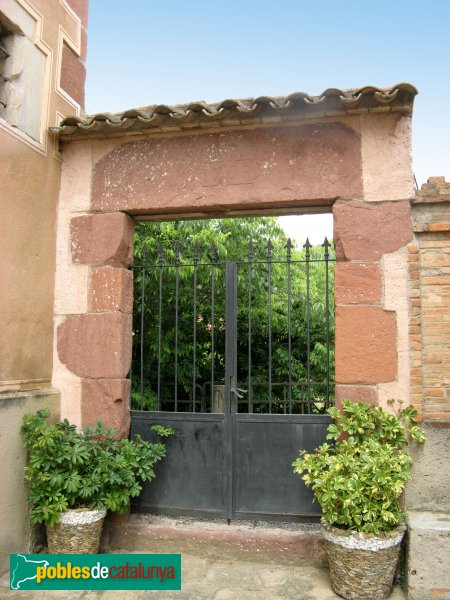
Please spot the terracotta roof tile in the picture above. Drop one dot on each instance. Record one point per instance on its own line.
(265, 109)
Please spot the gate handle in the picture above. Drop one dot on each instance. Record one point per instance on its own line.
(236, 391)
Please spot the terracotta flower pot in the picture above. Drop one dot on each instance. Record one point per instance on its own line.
(362, 565)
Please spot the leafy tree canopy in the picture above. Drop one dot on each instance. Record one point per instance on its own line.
(252, 243)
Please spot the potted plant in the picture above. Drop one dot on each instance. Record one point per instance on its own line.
(358, 480)
(75, 477)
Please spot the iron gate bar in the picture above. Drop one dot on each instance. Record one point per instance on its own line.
(230, 374)
(326, 245)
(142, 332)
(177, 288)
(249, 274)
(161, 265)
(269, 285)
(194, 366)
(213, 264)
(307, 245)
(288, 259)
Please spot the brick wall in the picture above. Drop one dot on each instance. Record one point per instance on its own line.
(429, 289)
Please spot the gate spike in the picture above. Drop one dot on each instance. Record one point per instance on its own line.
(307, 246)
(213, 253)
(326, 244)
(288, 247)
(269, 249)
(161, 255)
(196, 251)
(250, 251)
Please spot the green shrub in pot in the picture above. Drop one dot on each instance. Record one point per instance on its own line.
(358, 477)
(88, 469)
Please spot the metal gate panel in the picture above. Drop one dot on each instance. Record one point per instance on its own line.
(264, 447)
(191, 478)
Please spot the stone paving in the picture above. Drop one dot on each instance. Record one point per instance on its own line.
(213, 579)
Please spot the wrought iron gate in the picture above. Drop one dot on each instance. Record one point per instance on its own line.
(238, 429)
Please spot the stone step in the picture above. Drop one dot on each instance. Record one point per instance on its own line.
(428, 555)
(289, 543)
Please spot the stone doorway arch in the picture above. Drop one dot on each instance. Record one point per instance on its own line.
(348, 152)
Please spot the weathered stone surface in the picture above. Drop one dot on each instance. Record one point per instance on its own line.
(429, 488)
(366, 345)
(355, 393)
(111, 289)
(357, 283)
(231, 170)
(102, 240)
(428, 555)
(386, 156)
(96, 345)
(214, 541)
(366, 231)
(108, 400)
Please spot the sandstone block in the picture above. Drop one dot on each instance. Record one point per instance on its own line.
(357, 283)
(230, 170)
(366, 231)
(107, 400)
(105, 239)
(96, 345)
(355, 393)
(111, 289)
(366, 345)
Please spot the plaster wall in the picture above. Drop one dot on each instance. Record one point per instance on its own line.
(395, 275)
(30, 165)
(16, 535)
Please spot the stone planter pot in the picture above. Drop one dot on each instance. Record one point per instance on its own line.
(78, 531)
(362, 565)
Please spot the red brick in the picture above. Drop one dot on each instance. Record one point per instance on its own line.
(434, 392)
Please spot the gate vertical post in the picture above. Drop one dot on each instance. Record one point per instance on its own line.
(230, 375)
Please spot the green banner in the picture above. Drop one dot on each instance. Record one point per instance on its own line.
(95, 571)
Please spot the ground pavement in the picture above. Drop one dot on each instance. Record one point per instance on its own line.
(205, 579)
